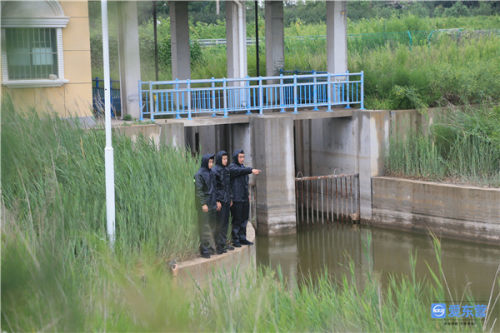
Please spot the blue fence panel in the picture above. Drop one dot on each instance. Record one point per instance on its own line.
(225, 96)
(98, 96)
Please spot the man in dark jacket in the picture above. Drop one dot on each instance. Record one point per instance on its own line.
(222, 193)
(205, 204)
(240, 208)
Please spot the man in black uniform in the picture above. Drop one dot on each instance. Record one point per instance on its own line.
(205, 204)
(222, 192)
(240, 208)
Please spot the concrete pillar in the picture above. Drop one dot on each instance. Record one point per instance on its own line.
(179, 36)
(241, 139)
(129, 58)
(336, 31)
(172, 135)
(273, 153)
(372, 138)
(275, 40)
(236, 35)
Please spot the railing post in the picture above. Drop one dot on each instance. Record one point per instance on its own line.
(347, 90)
(315, 91)
(213, 97)
(189, 97)
(281, 91)
(247, 85)
(362, 90)
(151, 104)
(329, 89)
(224, 91)
(141, 114)
(178, 116)
(294, 93)
(261, 96)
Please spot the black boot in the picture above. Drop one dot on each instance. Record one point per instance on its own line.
(229, 248)
(245, 242)
(221, 250)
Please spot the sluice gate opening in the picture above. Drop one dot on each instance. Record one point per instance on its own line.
(327, 199)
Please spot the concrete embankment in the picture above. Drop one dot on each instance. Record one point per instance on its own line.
(200, 270)
(455, 211)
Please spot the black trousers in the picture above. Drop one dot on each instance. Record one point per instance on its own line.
(222, 218)
(239, 212)
(206, 228)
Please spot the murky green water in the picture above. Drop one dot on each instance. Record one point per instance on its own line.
(312, 250)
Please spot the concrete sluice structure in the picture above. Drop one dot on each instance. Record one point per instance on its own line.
(283, 145)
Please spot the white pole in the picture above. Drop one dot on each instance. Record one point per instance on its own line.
(108, 150)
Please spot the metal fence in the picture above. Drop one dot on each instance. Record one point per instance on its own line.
(326, 199)
(225, 96)
(98, 97)
(372, 39)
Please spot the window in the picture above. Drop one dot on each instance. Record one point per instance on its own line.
(31, 53)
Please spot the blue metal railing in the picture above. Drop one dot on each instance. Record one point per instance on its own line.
(98, 96)
(225, 96)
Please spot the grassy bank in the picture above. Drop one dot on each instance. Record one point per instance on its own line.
(40, 292)
(59, 274)
(53, 185)
(461, 146)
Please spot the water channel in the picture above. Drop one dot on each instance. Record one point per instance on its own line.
(381, 252)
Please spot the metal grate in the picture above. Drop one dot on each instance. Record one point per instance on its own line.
(326, 199)
(31, 53)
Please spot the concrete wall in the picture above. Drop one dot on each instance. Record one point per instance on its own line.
(273, 153)
(354, 144)
(462, 212)
(159, 133)
(75, 97)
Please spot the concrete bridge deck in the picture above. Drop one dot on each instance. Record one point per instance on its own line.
(244, 118)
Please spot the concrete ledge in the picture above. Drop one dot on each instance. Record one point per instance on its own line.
(201, 269)
(243, 118)
(456, 211)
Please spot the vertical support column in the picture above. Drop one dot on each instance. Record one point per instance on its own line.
(179, 32)
(372, 145)
(336, 46)
(236, 35)
(336, 31)
(273, 153)
(129, 57)
(275, 40)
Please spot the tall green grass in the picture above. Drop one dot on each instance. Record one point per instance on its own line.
(59, 274)
(53, 185)
(462, 146)
(118, 294)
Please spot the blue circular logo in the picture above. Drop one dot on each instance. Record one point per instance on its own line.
(438, 310)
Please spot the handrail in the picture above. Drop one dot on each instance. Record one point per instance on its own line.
(228, 95)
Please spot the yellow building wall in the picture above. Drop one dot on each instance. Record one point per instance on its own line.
(75, 97)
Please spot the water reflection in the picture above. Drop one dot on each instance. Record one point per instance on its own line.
(313, 249)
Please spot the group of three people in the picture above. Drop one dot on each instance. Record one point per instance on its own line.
(221, 190)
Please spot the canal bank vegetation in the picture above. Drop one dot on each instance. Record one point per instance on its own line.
(53, 186)
(59, 273)
(45, 287)
(461, 146)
